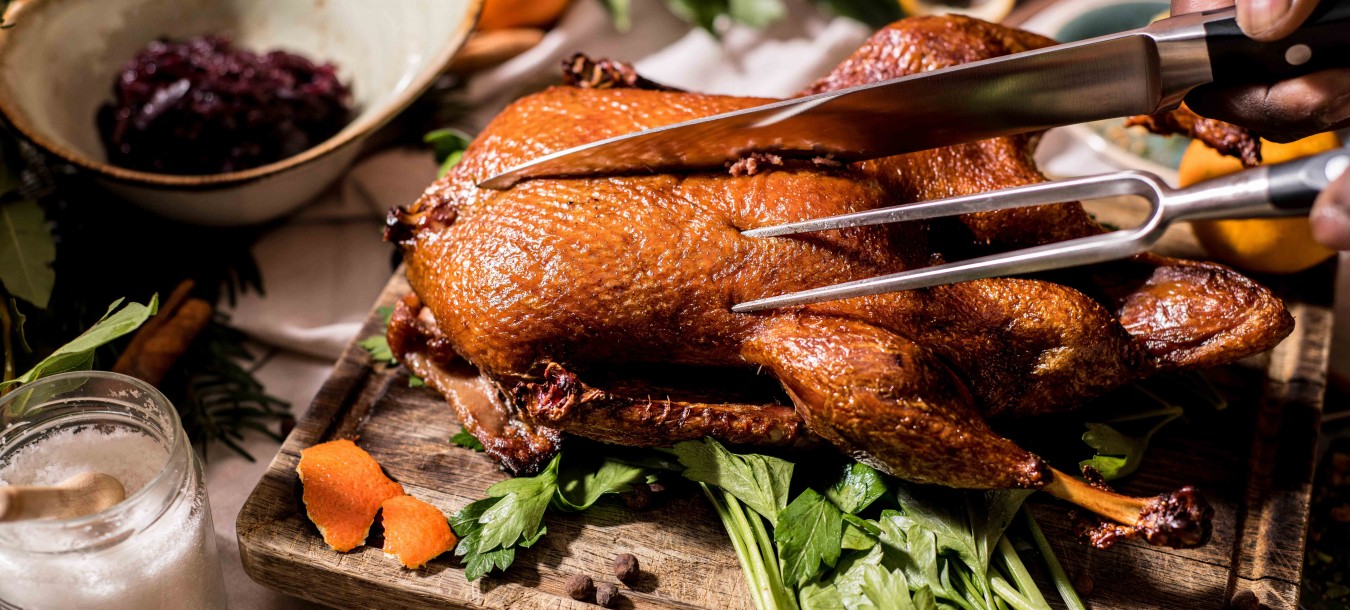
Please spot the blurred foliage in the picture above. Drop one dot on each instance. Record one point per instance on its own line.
(105, 249)
(713, 15)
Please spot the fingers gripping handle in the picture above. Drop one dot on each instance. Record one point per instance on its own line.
(1294, 185)
(1322, 42)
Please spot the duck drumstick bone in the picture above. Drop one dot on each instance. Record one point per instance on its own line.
(1180, 519)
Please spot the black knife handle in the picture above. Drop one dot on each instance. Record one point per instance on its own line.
(1294, 185)
(1323, 41)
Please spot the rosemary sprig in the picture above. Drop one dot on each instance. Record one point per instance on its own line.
(218, 399)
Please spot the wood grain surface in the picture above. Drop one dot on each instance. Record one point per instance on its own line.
(681, 547)
(1253, 460)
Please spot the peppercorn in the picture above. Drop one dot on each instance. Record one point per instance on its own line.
(1083, 583)
(638, 498)
(606, 594)
(579, 586)
(626, 568)
(1244, 600)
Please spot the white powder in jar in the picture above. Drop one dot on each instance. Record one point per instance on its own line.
(166, 560)
(129, 455)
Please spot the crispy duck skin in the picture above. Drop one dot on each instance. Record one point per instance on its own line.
(552, 282)
(1227, 138)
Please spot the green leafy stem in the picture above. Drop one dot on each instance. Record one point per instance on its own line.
(78, 354)
(830, 547)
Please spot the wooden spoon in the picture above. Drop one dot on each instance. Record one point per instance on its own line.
(83, 494)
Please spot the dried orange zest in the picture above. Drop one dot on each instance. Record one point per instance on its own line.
(415, 531)
(343, 489)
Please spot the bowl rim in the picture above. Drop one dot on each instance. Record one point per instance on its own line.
(350, 134)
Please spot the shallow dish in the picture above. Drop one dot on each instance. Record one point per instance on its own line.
(58, 62)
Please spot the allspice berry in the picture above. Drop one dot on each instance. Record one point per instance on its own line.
(626, 568)
(639, 497)
(579, 586)
(1083, 583)
(1244, 600)
(606, 594)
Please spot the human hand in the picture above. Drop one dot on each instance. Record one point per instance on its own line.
(1286, 110)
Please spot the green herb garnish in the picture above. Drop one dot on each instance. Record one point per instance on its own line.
(1120, 454)
(378, 346)
(584, 481)
(448, 146)
(858, 488)
(26, 251)
(809, 535)
(78, 355)
(760, 481)
(466, 440)
(512, 515)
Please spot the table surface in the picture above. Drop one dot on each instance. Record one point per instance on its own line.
(324, 267)
(1253, 460)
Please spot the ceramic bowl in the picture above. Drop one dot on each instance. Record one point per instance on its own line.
(59, 60)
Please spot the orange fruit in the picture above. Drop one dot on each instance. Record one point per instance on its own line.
(414, 531)
(501, 14)
(343, 489)
(1264, 245)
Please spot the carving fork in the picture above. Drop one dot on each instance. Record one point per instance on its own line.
(1287, 189)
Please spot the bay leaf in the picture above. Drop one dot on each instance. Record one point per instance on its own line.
(26, 252)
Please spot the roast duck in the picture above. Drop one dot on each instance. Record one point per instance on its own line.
(600, 306)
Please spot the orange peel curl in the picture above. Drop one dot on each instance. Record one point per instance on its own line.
(414, 531)
(343, 490)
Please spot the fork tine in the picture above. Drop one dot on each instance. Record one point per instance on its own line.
(1086, 187)
(1081, 251)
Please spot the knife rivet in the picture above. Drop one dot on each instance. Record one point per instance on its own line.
(1298, 54)
(1336, 166)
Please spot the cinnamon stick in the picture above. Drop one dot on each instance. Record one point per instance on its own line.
(163, 339)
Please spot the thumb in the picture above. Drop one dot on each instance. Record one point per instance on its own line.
(1331, 215)
(1272, 19)
(1180, 7)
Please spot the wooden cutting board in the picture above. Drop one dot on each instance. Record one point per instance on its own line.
(1254, 461)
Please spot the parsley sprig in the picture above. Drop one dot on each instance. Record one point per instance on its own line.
(511, 516)
(831, 547)
(1139, 411)
(850, 538)
(466, 440)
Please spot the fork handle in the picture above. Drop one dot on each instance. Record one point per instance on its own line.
(1295, 184)
(1269, 191)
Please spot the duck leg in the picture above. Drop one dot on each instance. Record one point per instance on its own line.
(890, 403)
(893, 404)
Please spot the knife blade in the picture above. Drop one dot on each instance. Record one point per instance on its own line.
(1136, 72)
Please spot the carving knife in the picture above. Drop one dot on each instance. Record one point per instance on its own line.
(1136, 72)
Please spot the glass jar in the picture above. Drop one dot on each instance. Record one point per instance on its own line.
(156, 549)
